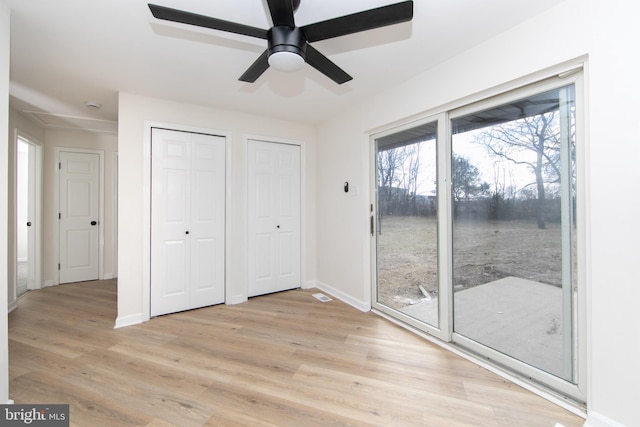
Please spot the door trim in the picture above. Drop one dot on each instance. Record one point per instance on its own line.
(114, 212)
(536, 380)
(56, 195)
(445, 294)
(39, 207)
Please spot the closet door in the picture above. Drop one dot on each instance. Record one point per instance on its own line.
(187, 221)
(274, 217)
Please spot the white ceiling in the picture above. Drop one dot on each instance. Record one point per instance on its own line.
(67, 52)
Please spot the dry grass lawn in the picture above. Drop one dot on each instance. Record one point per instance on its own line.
(484, 251)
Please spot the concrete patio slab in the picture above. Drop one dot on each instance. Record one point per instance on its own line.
(515, 316)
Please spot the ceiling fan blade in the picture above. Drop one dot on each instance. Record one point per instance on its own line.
(175, 15)
(361, 21)
(256, 69)
(281, 12)
(323, 64)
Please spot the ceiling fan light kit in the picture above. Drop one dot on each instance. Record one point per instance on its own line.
(287, 48)
(286, 61)
(288, 45)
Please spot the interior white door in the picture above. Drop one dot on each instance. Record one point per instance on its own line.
(79, 215)
(273, 217)
(187, 221)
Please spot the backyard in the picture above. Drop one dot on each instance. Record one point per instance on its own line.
(484, 251)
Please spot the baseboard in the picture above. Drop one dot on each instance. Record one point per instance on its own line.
(9, 402)
(132, 319)
(595, 419)
(360, 305)
(108, 276)
(309, 284)
(12, 306)
(236, 299)
(48, 283)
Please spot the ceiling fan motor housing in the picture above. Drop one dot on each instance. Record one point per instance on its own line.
(286, 39)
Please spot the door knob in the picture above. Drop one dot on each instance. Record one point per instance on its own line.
(93, 222)
(29, 224)
(186, 232)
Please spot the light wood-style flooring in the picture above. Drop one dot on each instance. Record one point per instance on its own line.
(285, 359)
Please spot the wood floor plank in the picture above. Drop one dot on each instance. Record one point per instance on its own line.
(160, 394)
(284, 359)
(87, 407)
(174, 356)
(38, 359)
(242, 405)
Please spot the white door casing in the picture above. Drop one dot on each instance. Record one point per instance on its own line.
(34, 207)
(273, 217)
(79, 206)
(187, 221)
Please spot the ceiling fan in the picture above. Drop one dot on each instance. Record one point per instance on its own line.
(288, 45)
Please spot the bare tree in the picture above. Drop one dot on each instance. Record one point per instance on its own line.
(398, 170)
(410, 172)
(389, 162)
(538, 134)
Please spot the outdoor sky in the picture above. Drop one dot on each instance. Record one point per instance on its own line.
(464, 145)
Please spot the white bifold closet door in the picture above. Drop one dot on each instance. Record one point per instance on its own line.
(187, 220)
(273, 217)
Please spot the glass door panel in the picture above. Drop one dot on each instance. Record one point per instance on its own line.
(407, 223)
(513, 191)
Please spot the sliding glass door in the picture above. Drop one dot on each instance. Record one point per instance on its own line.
(474, 229)
(407, 222)
(513, 189)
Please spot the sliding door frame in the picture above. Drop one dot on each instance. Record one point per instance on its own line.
(442, 331)
(550, 386)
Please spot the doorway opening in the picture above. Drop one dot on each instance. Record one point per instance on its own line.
(28, 215)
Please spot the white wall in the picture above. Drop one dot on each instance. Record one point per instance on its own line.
(4, 197)
(608, 34)
(137, 111)
(614, 133)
